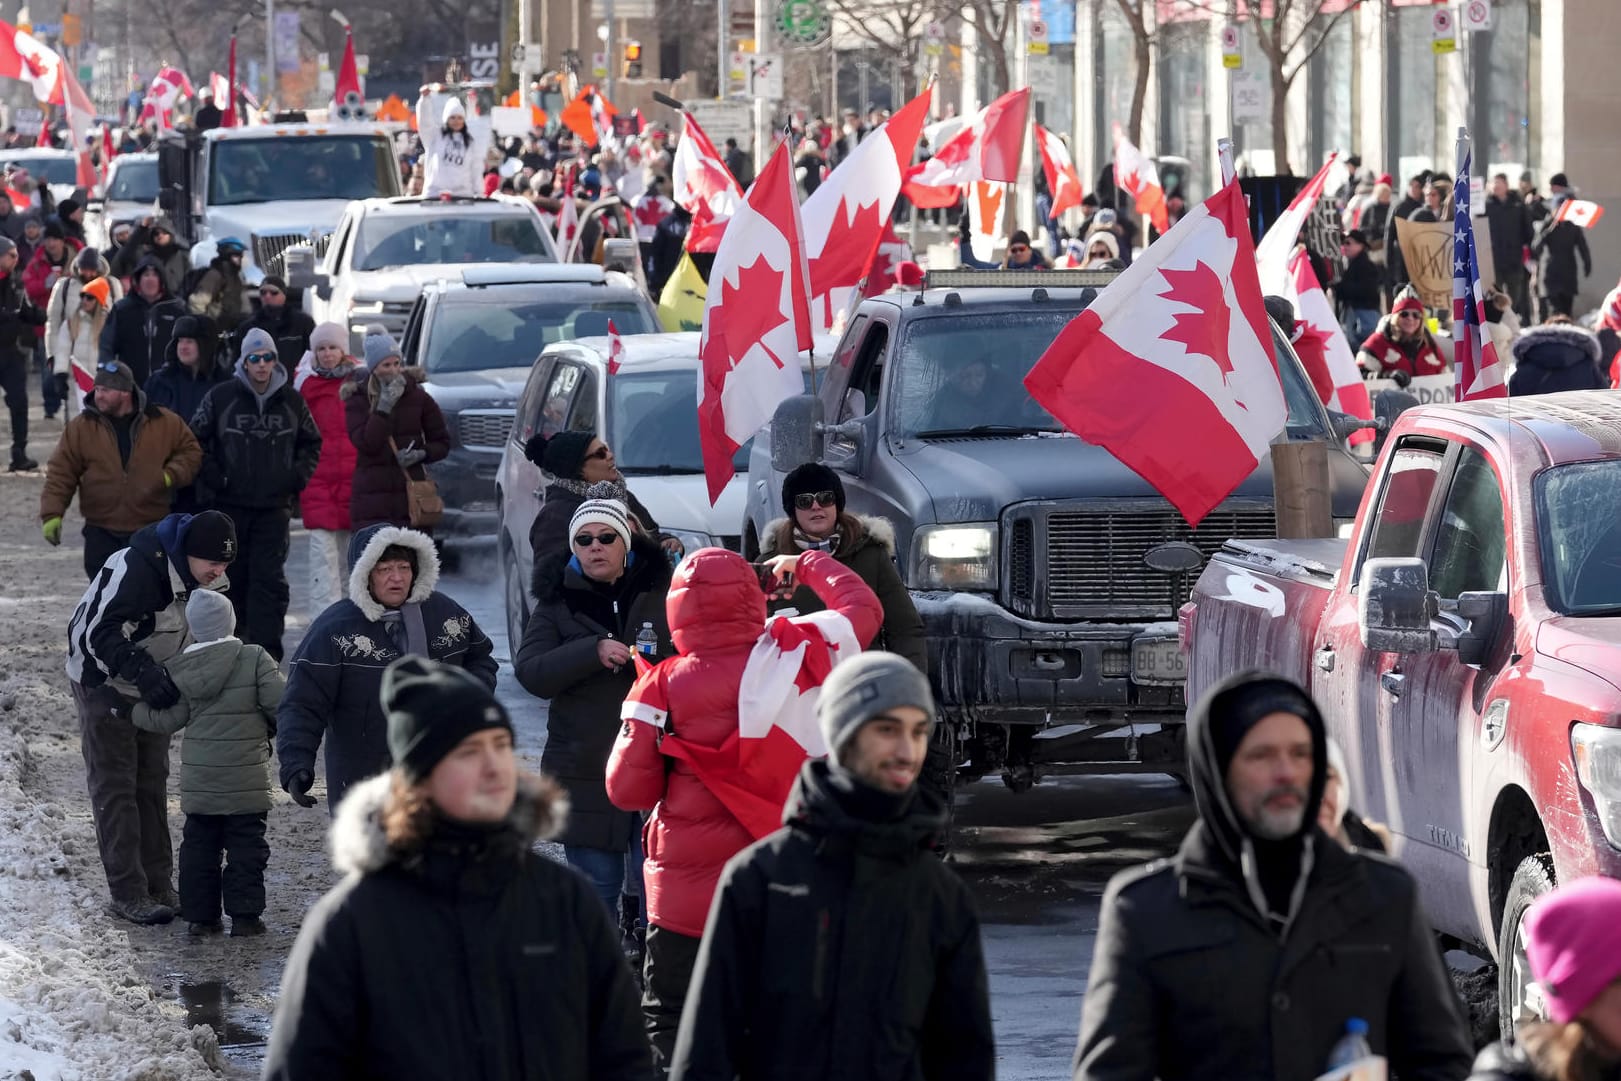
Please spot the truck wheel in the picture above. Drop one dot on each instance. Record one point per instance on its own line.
(939, 776)
(517, 602)
(1519, 999)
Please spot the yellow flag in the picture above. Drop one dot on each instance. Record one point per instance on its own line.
(681, 305)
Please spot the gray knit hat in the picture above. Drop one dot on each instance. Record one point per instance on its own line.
(209, 615)
(599, 509)
(859, 689)
(378, 346)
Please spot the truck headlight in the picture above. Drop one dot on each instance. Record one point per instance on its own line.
(1597, 753)
(955, 557)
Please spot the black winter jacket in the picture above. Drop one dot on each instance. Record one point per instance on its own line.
(1394, 266)
(840, 947)
(1358, 286)
(255, 453)
(1190, 981)
(290, 328)
(138, 332)
(1513, 1062)
(334, 679)
(1556, 357)
(558, 660)
(549, 539)
(17, 318)
(1511, 235)
(467, 956)
(1556, 244)
(180, 389)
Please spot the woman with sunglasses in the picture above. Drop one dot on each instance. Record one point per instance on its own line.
(76, 346)
(1402, 347)
(396, 428)
(813, 498)
(578, 652)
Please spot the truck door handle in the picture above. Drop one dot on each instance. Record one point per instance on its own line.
(1393, 682)
(1325, 658)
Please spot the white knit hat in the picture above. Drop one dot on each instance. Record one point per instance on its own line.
(599, 510)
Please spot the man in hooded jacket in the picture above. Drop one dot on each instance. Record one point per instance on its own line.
(139, 327)
(1245, 954)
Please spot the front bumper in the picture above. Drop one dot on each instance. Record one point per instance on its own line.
(466, 481)
(988, 664)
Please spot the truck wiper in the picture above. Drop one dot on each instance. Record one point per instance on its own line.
(984, 429)
(659, 471)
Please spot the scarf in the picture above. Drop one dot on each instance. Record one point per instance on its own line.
(405, 629)
(828, 544)
(580, 488)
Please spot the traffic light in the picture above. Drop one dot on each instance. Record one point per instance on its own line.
(633, 60)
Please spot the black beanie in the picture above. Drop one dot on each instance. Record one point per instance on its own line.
(431, 707)
(211, 536)
(53, 228)
(811, 477)
(1235, 709)
(562, 455)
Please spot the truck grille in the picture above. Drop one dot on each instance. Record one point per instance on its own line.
(484, 429)
(267, 249)
(1086, 562)
(395, 315)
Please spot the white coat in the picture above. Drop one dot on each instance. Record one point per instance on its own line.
(453, 164)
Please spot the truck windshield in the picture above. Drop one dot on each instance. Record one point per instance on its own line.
(134, 182)
(301, 167)
(482, 337)
(964, 374)
(1579, 519)
(395, 241)
(652, 425)
(63, 170)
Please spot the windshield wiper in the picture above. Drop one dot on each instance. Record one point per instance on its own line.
(984, 429)
(659, 471)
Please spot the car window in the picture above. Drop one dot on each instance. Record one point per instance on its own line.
(1398, 524)
(557, 398)
(472, 337)
(134, 182)
(582, 416)
(866, 373)
(52, 170)
(653, 427)
(1579, 527)
(384, 241)
(1471, 545)
(529, 412)
(309, 167)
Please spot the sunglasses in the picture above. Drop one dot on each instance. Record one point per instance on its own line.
(107, 366)
(1409, 315)
(600, 454)
(269, 292)
(807, 500)
(1019, 249)
(607, 540)
(259, 358)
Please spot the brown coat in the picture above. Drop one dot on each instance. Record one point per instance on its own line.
(378, 491)
(112, 495)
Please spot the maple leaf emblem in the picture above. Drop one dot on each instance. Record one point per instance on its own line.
(848, 249)
(752, 316)
(1204, 330)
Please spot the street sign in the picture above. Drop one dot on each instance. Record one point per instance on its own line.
(1444, 30)
(1252, 97)
(737, 68)
(1476, 15)
(1038, 37)
(934, 39)
(362, 64)
(722, 120)
(765, 76)
(1232, 54)
(599, 65)
(527, 57)
(804, 22)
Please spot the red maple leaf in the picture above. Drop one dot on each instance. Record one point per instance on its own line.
(847, 252)
(1203, 330)
(750, 310)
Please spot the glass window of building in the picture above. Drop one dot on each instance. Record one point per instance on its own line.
(1507, 68)
(1412, 133)
(1184, 83)
(1331, 76)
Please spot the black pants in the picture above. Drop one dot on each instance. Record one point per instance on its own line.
(49, 391)
(99, 544)
(259, 574)
(1517, 284)
(14, 382)
(242, 883)
(667, 971)
(1549, 303)
(127, 772)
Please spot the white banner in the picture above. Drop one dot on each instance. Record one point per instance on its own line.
(1428, 389)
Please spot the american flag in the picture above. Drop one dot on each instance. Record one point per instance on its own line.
(1475, 364)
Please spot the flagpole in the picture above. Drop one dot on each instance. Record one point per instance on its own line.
(1224, 155)
(1460, 343)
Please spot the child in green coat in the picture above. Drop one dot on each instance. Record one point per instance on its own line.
(229, 691)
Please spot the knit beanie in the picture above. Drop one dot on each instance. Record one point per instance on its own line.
(115, 375)
(187, 326)
(211, 536)
(256, 340)
(88, 259)
(274, 281)
(1407, 301)
(7, 245)
(103, 293)
(861, 688)
(598, 510)
(329, 334)
(209, 615)
(379, 346)
(1573, 946)
(431, 707)
(53, 229)
(1238, 707)
(811, 477)
(561, 455)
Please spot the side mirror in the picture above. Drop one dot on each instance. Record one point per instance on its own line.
(796, 433)
(621, 254)
(95, 206)
(1387, 406)
(323, 287)
(1395, 606)
(1487, 614)
(1344, 425)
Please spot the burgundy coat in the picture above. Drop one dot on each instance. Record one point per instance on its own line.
(378, 491)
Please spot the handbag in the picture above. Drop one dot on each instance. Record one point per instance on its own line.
(421, 496)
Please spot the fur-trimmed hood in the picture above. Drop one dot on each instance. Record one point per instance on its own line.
(359, 846)
(1557, 345)
(362, 379)
(366, 547)
(856, 530)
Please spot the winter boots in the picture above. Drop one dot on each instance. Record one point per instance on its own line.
(247, 926)
(201, 929)
(144, 911)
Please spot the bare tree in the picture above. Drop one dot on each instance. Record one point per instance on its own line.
(992, 21)
(1142, 52)
(893, 28)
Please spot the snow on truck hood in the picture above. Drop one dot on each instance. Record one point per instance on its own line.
(682, 503)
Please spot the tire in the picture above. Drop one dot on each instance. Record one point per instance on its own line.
(517, 602)
(1518, 999)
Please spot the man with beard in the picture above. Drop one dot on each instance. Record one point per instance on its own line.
(1247, 953)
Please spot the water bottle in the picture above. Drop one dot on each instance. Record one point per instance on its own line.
(647, 642)
(1351, 1047)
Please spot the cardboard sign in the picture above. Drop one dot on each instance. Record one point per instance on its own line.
(1426, 249)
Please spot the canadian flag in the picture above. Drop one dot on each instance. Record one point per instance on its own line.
(701, 183)
(1579, 212)
(168, 85)
(1063, 182)
(1136, 175)
(756, 319)
(987, 147)
(846, 218)
(892, 252)
(1273, 253)
(1171, 367)
(616, 349)
(568, 223)
(1350, 393)
(986, 204)
(24, 57)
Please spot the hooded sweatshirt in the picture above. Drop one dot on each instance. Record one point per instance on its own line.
(453, 162)
(138, 331)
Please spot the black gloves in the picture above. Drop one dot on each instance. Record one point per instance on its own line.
(1401, 378)
(298, 787)
(157, 689)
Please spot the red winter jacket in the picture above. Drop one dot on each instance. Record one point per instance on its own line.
(325, 499)
(717, 613)
(37, 274)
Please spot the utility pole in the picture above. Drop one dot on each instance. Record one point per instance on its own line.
(762, 108)
(608, 43)
(270, 48)
(723, 23)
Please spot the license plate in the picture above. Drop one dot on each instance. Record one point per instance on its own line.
(1158, 660)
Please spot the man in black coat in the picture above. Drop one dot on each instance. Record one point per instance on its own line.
(1245, 954)
(1395, 267)
(841, 946)
(1556, 244)
(140, 325)
(289, 327)
(17, 316)
(1511, 235)
(260, 447)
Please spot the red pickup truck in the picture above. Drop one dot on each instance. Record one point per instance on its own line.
(1465, 645)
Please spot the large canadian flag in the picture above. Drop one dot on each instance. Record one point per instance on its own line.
(1063, 182)
(1171, 367)
(168, 85)
(846, 217)
(1277, 244)
(987, 147)
(1136, 174)
(24, 57)
(1579, 211)
(756, 320)
(701, 183)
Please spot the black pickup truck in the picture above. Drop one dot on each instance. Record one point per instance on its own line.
(1048, 574)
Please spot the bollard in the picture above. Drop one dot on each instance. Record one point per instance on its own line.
(1300, 490)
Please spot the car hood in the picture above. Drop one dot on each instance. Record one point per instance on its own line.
(280, 218)
(1591, 643)
(683, 502)
(404, 283)
(982, 476)
(495, 388)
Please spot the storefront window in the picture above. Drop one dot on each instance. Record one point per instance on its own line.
(1184, 84)
(1333, 94)
(1507, 66)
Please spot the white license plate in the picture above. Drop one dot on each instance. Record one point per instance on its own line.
(1158, 660)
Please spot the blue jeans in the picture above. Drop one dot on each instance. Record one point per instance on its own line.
(611, 873)
(1359, 323)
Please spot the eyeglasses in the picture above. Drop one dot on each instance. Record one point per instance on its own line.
(607, 540)
(600, 454)
(259, 358)
(807, 500)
